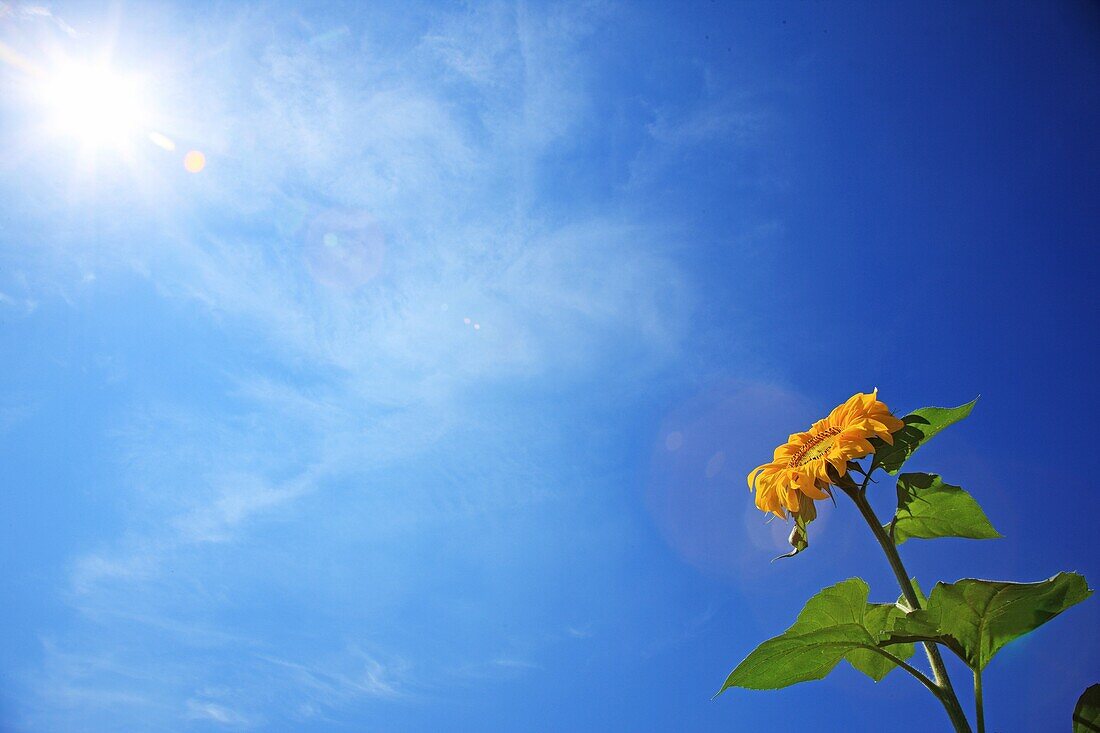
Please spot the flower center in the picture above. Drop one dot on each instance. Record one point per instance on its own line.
(818, 446)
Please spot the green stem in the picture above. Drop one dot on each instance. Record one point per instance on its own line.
(939, 692)
(948, 698)
(978, 700)
(921, 676)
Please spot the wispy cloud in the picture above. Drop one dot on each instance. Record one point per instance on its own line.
(206, 710)
(720, 124)
(370, 220)
(359, 675)
(30, 11)
(22, 306)
(689, 629)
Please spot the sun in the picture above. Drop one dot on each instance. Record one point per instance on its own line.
(93, 103)
(99, 107)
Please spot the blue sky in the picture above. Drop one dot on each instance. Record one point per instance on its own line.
(427, 404)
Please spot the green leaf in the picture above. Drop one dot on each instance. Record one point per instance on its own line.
(928, 507)
(921, 598)
(879, 617)
(920, 426)
(975, 618)
(833, 623)
(1086, 716)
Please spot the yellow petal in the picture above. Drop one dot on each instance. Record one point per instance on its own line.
(752, 477)
(814, 492)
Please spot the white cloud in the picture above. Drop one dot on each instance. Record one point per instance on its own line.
(206, 710)
(27, 11)
(355, 674)
(434, 146)
(516, 664)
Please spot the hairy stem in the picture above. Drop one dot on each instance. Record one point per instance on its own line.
(978, 700)
(921, 676)
(948, 697)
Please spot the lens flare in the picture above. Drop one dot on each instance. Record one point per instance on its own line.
(344, 248)
(694, 492)
(194, 161)
(162, 141)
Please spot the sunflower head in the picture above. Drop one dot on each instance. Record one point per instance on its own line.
(802, 469)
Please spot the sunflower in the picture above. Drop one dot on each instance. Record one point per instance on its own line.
(801, 466)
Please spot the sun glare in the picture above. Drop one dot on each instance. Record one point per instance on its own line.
(94, 104)
(100, 108)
